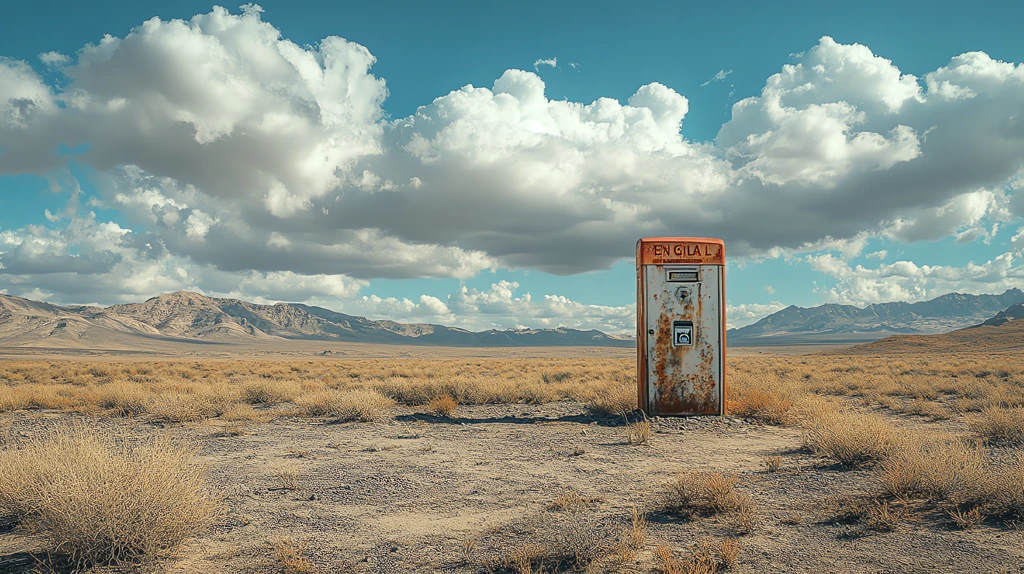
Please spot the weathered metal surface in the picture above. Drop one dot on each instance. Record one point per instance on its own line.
(676, 378)
(680, 251)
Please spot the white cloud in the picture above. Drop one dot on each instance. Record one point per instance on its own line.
(907, 281)
(721, 75)
(958, 216)
(54, 59)
(500, 307)
(272, 157)
(737, 316)
(198, 224)
(769, 289)
(553, 62)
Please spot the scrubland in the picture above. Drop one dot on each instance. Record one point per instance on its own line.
(825, 462)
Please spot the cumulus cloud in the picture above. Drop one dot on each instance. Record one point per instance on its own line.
(240, 151)
(958, 216)
(54, 59)
(907, 281)
(501, 307)
(737, 316)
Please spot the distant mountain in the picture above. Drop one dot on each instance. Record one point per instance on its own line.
(833, 323)
(999, 334)
(1012, 313)
(186, 317)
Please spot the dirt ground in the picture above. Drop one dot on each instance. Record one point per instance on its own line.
(407, 495)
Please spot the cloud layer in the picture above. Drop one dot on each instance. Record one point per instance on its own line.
(246, 163)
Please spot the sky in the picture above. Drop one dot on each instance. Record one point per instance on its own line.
(491, 165)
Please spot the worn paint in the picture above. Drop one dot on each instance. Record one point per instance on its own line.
(681, 380)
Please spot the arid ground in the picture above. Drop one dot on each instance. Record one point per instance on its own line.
(827, 463)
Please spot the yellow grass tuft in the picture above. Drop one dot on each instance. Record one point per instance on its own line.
(364, 405)
(638, 432)
(443, 406)
(291, 556)
(1000, 425)
(270, 391)
(937, 469)
(103, 500)
(851, 438)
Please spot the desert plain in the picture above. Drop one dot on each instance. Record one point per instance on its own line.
(428, 460)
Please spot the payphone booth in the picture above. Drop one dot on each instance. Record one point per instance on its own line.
(681, 326)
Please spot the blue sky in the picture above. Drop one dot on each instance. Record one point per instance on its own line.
(873, 153)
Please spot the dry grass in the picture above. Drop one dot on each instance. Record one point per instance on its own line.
(936, 469)
(614, 399)
(729, 552)
(361, 405)
(666, 561)
(705, 556)
(765, 405)
(702, 493)
(745, 517)
(290, 555)
(183, 407)
(179, 391)
(270, 392)
(243, 412)
(636, 534)
(287, 479)
(572, 500)
(443, 406)
(365, 405)
(871, 513)
(104, 500)
(772, 389)
(851, 438)
(1000, 425)
(638, 432)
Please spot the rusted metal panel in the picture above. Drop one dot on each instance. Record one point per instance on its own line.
(681, 326)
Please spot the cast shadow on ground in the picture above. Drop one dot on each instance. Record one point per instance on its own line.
(603, 421)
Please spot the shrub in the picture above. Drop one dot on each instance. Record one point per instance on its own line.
(762, 405)
(638, 432)
(182, 407)
(365, 405)
(123, 398)
(1004, 492)
(702, 493)
(443, 406)
(938, 470)
(1000, 425)
(853, 439)
(101, 500)
(613, 400)
(269, 392)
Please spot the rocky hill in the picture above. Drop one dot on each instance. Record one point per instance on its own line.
(191, 317)
(832, 323)
(1013, 313)
(1000, 334)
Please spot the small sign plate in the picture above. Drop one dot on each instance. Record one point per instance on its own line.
(682, 333)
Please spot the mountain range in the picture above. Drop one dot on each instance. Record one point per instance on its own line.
(191, 318)
(832, 323)
(1003, 333)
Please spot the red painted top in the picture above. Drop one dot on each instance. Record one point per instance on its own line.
(680, 250)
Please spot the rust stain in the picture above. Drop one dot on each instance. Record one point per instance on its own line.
(678, 391)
